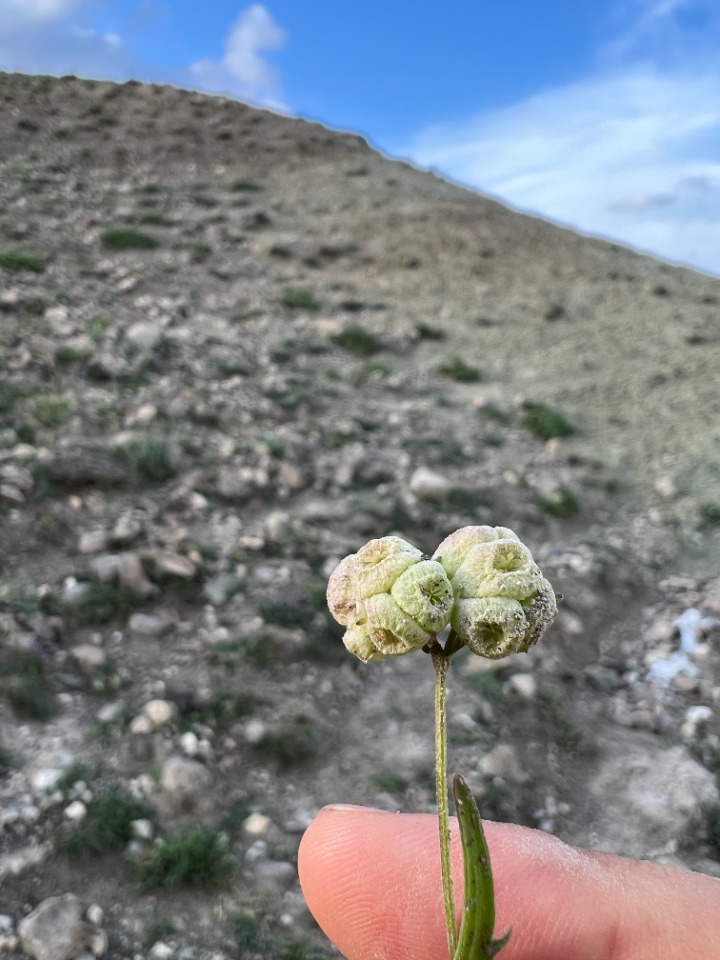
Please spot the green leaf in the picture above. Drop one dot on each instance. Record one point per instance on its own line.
(478, 922)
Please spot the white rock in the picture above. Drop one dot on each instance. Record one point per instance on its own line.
(76, 811)
(256, 825)
(429, 485)
(159, 712)
(161, 951)
(88, 657)
(147, 625)
(142, 829)
(189, 744)
(254, 731)
(503, 762)
(524, 685)
(95, 914)
(141, 725)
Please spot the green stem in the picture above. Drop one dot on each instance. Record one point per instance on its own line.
(441, 664)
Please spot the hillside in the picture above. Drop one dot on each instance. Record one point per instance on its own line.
(233, 347)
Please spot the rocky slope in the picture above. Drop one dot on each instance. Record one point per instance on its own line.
(234, 346)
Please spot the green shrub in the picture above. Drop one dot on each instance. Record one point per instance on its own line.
(27, 687)
(20, 262)
(359, 342)
(151, 458)
(125, 238)
(713, 827)
(197, 857)
(51, 410)
(298, 299)
(8, 762)
(244, 186)
(545, 422)
(455, 368)
(562, 503)
(290, 744)
(107, 825)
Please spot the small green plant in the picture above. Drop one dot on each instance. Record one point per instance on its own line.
(197, 857)
(244, 186)
(101, 603)
(74, 774)
(107, 825)
(27, 686)
(710, 512)
(358, 341)
(152, 458)
(298, 299)
(200, 252)
(545, 422)
(19, 262)
(158, 927)
(390, 782)
(246, 930)
(562, 503)
(455, 368)
(426, 332)
(125, 238)
(51, 410)
(290, 744)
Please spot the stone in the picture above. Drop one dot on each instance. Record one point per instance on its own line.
(94, 541)
(256, 825)
(503, 761)
(220, 588)
(144, 336)
(184, 782)
(524, 685)
(648, 797)
(88, 656)
(75, 812)
(159, 712)
(55, 930)
(427, 484)
(147, 625)
(171, 564)
(189, 744)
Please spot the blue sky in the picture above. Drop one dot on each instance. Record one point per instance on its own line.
(604, 116)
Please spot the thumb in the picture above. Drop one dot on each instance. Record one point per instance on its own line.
(372, 881)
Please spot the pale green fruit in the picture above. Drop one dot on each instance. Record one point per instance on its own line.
(502, 568)
(495, 627)
(341, 591)
(424, 593)
(455, 547)
(357, 641)
(391, 630)
(380, 562)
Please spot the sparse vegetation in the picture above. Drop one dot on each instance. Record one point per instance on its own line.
(51, 410)
(298, 299)
(455, 368)
(713, 828)
(197, 857)
(19, 262)
(545, 422)
(125, 238)
(8, 762)
(107, 825)
(27, 686)
(153, 458)
(358, 341)
(561, 503)
(290, 744)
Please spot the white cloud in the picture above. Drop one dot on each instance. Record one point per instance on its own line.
(21, 14)
(630, 153)
(243, 71)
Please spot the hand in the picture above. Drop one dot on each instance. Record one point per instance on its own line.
(372, 881)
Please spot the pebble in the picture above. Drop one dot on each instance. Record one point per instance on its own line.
(75, 812)
(524, 685)
(256, 825)
(427, 484)
(159, 712)
(89, 657)
(189, 744)
(503, 761)
(142, 829)
(147, 625)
